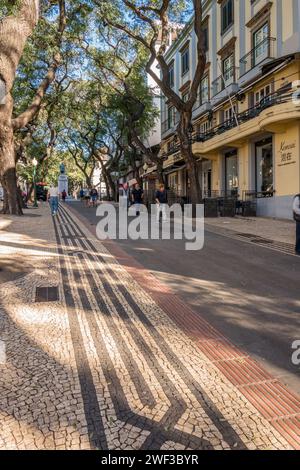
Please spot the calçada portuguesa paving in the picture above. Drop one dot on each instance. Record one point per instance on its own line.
(118, 361)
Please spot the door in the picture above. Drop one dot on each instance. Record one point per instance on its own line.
(231, 173)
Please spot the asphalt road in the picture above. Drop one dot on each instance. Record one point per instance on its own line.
(251, 294)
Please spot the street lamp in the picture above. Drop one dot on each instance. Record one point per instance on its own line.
(35, 164)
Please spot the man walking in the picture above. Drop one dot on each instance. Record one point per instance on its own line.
(53, 199)
(161, 200)
(94, 196)
(137, 198)
(296, 209)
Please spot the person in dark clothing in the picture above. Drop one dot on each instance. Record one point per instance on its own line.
(94, 196)
(137, 195)
(64, 195)
(296, 210)
(161, 199)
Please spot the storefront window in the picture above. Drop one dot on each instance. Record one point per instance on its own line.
(264, 166)
(231, 173)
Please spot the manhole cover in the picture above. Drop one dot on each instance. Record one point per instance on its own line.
(46, 294)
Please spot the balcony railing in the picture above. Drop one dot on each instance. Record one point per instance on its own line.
(267, 102)
(264, 50)
(228, 78)
(169, 124)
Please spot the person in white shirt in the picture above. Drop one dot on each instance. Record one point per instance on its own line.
(296, 210)
(53, 199)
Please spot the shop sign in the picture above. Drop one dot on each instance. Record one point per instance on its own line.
(287, 153)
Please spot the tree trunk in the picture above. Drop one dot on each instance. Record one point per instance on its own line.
(107, 178)
(183, 132)
(8, 159)
(14, 31)
(160, 171)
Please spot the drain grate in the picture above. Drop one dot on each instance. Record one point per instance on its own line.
(246, 235)
(255, 238)
(46, 294)
(263, 241)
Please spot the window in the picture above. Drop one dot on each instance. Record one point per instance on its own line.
(227, 15)
(260, 44)
(185, 61)
(206, 38)
(204, 90)
(231, 173)
(205, 127)
(229, 113)
(264, 166)
(171, 117)
(171, 76)
(228, 69)
(262, 95)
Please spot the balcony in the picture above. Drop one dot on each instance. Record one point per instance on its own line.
(264, 50)
(251, 113)
(169, 124)
(201, 108)
(227, 81)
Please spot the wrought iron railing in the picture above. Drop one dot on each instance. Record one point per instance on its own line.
(267, 102)
(170, 123)
(228, 78)
(264, 50)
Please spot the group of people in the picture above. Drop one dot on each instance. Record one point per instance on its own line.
(89, 196)
(136, 197)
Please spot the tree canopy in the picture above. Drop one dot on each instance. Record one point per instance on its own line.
(77, 86)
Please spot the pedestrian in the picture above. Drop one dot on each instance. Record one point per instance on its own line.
(137, 195)
(126, 193)
(161, 199)
(53, 199)
(64, 195)
(81, 194)
(86, 197)
(296, 210)
(93, 196)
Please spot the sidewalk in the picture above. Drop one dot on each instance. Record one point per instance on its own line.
(272, 229)
(118, 361)
(275, 234)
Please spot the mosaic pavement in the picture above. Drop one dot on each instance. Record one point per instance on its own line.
(110, 367)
